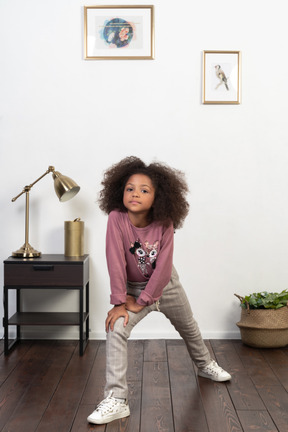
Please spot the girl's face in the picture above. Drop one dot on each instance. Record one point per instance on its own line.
(139, 194)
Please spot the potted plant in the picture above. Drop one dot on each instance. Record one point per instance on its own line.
(264, 319)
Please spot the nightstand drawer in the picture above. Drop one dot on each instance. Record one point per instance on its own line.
(40, 274)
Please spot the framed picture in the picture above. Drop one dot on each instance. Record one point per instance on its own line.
(221, 77)
(119, 32)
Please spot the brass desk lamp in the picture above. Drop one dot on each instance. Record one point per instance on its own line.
(65, 189)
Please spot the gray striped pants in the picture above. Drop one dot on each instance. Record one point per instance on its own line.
(175, 306)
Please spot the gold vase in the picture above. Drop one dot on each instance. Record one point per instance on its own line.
(74, 237)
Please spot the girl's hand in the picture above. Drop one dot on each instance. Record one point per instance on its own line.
(115, 313)
(131, 304)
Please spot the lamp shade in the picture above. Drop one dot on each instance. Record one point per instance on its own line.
(65, 187)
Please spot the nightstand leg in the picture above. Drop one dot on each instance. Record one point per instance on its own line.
(5, 321)
(18, 305)
(81, 318)
(87, 311)
(83, 339)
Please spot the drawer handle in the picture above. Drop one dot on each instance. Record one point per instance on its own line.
(43, 267)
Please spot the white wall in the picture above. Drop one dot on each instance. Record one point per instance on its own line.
(82, 116)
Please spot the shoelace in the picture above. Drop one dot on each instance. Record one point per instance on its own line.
(107, 405)
(214, 368)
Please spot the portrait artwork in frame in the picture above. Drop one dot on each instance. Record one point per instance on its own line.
(119, 32)
(221, 77)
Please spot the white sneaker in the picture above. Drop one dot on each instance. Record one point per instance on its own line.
(108, 410)
(214, 372)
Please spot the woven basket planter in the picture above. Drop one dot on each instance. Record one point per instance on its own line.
(264, 328)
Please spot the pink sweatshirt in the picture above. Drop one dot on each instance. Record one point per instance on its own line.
(138, 255)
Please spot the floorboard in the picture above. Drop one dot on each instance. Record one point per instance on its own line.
(188, 409)
(46, 385)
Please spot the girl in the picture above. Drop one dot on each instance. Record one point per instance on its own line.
(145, 205)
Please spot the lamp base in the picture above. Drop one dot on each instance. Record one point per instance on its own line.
(26, 251)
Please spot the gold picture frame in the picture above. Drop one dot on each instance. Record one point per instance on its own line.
(221, 77)
(119, 32)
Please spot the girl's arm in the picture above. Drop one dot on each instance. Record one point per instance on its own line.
(162, 273)
(116, 261)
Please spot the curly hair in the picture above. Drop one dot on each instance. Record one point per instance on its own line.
(170, 202)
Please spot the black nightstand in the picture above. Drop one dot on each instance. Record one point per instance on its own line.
(47, 272)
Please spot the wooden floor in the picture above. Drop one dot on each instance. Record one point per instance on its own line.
(45, 386)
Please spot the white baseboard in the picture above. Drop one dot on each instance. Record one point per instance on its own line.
(59, 333)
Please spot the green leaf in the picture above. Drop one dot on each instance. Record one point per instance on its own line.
(265, 300)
